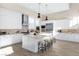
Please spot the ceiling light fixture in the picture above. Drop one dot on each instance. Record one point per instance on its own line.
(46, 12)
(39, 16)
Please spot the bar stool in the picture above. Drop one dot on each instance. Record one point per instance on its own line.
(54, 40)
(41, 46)
(51, 42)
(47, 44)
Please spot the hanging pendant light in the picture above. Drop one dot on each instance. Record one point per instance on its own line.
(39, 15)
(39, 11)
(46, 13)
(46, 18)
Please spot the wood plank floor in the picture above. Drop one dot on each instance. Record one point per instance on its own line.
(60, 48)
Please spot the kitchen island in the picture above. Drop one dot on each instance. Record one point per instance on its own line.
(30, 42)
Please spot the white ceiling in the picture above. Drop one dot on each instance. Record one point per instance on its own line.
(51, 7)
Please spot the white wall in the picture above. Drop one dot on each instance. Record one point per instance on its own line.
(10, 19)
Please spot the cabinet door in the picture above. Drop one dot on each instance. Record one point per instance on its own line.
(10, 19)
(17, 38)
(5, 40)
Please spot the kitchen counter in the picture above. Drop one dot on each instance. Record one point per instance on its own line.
(69, 31)
(9, 39)
(68, 36)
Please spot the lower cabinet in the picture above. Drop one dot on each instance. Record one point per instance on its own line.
(6, 40)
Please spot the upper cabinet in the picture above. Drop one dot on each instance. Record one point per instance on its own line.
(10, 19)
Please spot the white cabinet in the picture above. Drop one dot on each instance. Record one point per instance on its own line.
(30, 43)
(4, 40)
(10, 19)
(68, 36)
(17, 38)
(10, 39)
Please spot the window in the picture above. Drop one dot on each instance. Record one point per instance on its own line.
(74, 21)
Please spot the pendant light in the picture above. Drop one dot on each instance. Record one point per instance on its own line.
(46, 12)
(46, 18)
(38, 11)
